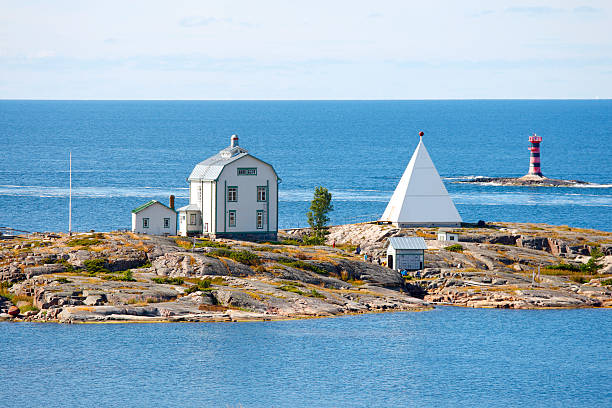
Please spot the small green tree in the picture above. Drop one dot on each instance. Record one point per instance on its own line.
(594, 263)
(320, 206)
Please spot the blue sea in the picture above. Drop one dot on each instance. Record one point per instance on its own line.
(127, 152)
(449, 357)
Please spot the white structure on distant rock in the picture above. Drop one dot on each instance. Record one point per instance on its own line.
(154, 218)
(232, 194)
(420, 198)
(445, 235)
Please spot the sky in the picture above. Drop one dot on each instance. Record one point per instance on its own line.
(233, 49)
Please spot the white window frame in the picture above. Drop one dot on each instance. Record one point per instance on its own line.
(232, 194)
(232, 222)
(259, 219)
(262, 193)
(166, 222)
(193, 219)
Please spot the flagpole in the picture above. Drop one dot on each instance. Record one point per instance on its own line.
(70, 200)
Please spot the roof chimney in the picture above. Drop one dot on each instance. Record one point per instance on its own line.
(172, 202)
(234, 141)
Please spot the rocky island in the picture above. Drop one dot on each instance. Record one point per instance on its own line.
(124, 277)
(529, 180)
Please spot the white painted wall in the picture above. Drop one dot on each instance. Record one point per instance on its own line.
(194, 192)
(156, 214)
(207, 201)
(247, 205)
(448, 236)
(403, 257)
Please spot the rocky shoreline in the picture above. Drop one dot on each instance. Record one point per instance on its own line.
(528, 180)
(123, 277)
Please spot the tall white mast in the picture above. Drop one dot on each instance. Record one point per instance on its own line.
(70, 200)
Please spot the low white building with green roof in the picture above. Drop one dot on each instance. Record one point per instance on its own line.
(154, 218)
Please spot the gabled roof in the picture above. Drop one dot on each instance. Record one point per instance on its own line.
(148, 204)
(190, 207)
(407, 243)
(211, 168)
(420, 197)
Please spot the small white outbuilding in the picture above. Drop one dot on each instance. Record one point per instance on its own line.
(444, 235)
(154, 218)
(406, 253)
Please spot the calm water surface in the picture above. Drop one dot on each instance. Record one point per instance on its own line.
(128, 152)
(445, 357)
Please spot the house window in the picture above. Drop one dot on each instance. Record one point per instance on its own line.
(260, 219)
(145, 223)
(192, 219)
(261, 193)
(232, 218)
(232, 193)
(166, 222)
(205, 227)
(247, 171)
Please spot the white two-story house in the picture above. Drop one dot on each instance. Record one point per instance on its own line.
(232, 195)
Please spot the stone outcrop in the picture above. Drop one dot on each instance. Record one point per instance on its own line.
(529, 180)
(139, 278)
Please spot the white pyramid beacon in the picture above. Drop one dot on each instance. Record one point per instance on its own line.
(420, 199)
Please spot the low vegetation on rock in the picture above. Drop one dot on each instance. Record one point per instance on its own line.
(127, 277)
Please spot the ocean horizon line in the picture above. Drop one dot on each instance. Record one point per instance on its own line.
(298, 99)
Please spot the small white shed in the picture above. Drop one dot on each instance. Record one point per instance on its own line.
(445, 235)
(154, 218)
(406, 253)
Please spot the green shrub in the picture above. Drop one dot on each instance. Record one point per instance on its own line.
(47, 261)
(210, 244)
(27, 308)
(287, 282)
(606, 282)
(291, 288)
(68, 266)
(564, 267)
(302, 265)
(218, 280)
(578, 278)
(454, 248)
(126, 276)
(169, 281)
(97, 265)
(87, 241)
(315, 294)
(200, 285)
(593, 265)
(62, 280)
(145, 265)
(244, 257)
(314, 240)
(291, 241)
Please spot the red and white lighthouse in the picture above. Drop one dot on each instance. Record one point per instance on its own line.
(534, 160)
